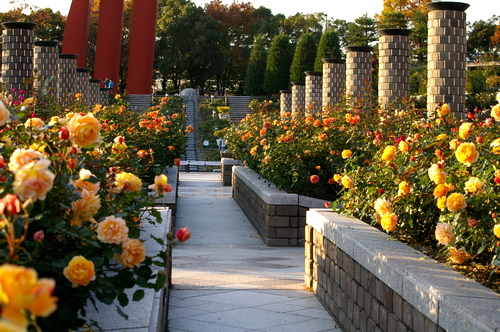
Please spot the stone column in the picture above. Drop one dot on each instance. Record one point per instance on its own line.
(333, 81)
(66, 77)
(314, 91)
(298, 97)
(446, 56)
(394, 67)
(82, 83)
(285, 101)
(18, 39)
(95, 91)
(45, 63)
(359, 74)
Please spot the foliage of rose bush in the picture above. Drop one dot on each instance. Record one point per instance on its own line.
(76, 185)
(396, 169)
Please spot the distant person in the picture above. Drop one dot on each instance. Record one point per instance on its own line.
(106, 83)
(111, 84)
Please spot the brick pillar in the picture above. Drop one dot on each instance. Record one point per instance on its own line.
(45, 62)
(18, 39)
(358, 79)
(94, 91)
(142, 47)
(82, 83)
(446, 57)
(66, 77)
(394, 67)
(314, 91)
(298, 97)
(333, 81)
(285, 101)
(109, 41)
(76, 31)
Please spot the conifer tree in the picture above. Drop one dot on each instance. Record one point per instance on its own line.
(254, 80)
(329, 47)
(303, 59)
(279, 59)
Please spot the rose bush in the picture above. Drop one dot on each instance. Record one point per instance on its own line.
(393, 168)
(73, 199)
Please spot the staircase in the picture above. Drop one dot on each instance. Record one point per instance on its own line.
(192, 152)
(239, 107)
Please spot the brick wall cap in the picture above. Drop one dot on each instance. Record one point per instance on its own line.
(333, 60)
(359, 48)
(313, 73)
(46, 43)
(298, 83)
(19, 25)
(68, 56)
(394, 32)
(447, 5)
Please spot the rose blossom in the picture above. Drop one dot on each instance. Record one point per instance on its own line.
(404, 188)
(474, 185)
(458, 256)
(465, 130)
(35, 123)
(86, 207)
(466, 153)
(4, 114)
(161, 184)
(445, 233)
(128, 182)
(389, 153)
(346, 154)
(441, 190)
(347, 182)
(9, 205)
(496, 230)
(441, 203)
(436, 173)
(456, 202)
(112, 230)
(33, 180)
(382, 206)
(79, 271)
(84, 130)
(389, 221)
(21, 157)
(133, 253)
(83, 183)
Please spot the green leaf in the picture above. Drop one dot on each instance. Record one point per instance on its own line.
(138, 295)
(123, 299)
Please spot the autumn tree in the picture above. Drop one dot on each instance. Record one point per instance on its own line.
(329, 47)
(479, 41)
(303, 58)
(278, 64)
(254, 80)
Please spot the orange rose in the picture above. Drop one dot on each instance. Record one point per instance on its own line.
(84, 129)
(4, 114)
(456, 202)
(21, 157)
(466, 153)
(133, 253)
(389, 221)
(474, 186)
(441, 190)
(34, 123)
(86, 207)
(84, 183)
(458, 256)
(80, 271)
(33, 180)
(445, 233)
(112, 230)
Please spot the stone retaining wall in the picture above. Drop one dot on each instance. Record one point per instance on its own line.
(369, 282)
(279, 217)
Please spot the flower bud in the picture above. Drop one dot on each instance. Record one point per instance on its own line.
(472, 222)
(9, 205)
(39, 236)
(183, 234)
(64, 133)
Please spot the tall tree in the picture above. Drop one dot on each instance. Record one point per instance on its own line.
(267, 24)
(362, 31)
(329, 47)
(393, 20)
(294, 26)
(479, 44)
(303, 58)
(278, 63)
(254, 80)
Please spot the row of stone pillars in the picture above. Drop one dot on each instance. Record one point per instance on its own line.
(352, 77)
(28, 64)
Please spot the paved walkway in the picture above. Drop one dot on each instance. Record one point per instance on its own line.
(225, 279)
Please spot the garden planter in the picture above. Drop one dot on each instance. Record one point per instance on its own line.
(370, 282)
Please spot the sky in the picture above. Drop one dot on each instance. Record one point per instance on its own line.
(337, 9)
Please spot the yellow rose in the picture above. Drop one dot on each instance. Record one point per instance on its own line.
(441, 203)
(454, 143)
(346, 154)
(21, 157)
(441, 190)
(34, 123)
(161, 183)
(389, 153)
(465, 130)
(496, 230)
(495, 112)
(443, 110)
(456, 202)
(347, 182)
(441, 137)
(84, 130)
(474, 186)
(80, 271)
(133, 253)
(6, 326)
(382, 206)
(389, 221)
(404, 188)
(436, 173)
(128, 182)
(458, 256)
(337, 178)
(404, 146)
(86, 207)
(466, 153)
(112, 230)
(445, 233)
(83, 183)
(33, 180)
(4, 114)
